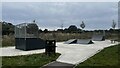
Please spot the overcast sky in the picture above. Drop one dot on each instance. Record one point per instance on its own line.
(51, 15)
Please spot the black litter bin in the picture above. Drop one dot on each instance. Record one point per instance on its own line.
(50, 47)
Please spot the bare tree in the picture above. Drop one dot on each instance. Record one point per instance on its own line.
(82, 25)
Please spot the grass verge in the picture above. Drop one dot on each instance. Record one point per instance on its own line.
(107, 57)
(28, 61)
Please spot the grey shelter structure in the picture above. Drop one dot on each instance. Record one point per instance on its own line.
(98, 37)
(79, 41)
(26, 37)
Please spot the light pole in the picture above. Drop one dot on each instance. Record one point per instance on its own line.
(62, 26)
(113, 26)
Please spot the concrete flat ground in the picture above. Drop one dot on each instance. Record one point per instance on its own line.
(77, 53)
(11, 51)
(70, 53)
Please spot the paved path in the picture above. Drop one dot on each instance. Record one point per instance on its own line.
(70, 53)
(56, 64)
(77, 53)
(11, 51)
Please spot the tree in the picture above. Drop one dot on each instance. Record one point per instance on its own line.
(66, 30)
(40, 31)
(110, 30)
(46, 30)
(72, 28)
(60, 30)
(7, 28)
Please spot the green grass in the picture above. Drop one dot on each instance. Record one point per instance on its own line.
(34, 61)
(107, 57)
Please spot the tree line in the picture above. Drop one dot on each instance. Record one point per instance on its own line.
(8, 28)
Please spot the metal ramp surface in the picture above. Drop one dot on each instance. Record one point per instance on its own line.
(98, 37)
(71, 41)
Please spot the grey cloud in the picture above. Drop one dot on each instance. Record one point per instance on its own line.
(0, 11)
(51, 15)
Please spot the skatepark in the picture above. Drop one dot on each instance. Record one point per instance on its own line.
(70, 53)
(73, 51)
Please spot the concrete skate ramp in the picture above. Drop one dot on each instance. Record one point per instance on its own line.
(71, 41)
(79, 41)
(84, 41)
(98, 38)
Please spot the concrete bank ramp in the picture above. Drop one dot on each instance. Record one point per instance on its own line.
(79, 41)
(84, 41)
(71, 41)
(98, 38)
